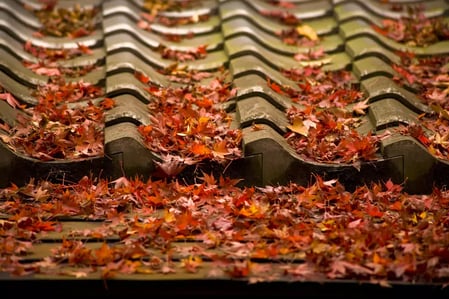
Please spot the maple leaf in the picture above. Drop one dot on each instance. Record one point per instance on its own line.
(107, 103)
(307, 31)
(41, 194)
(170, 165)
(360, 107)
(104, 254)
(209, 179)
(274, 86)
(121, 182)
(220, 149)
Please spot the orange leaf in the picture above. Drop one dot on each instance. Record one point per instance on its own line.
(204, 103)
(396, 206)
(202, 49)
(185, 220)
(85, 49)
(220, 148)
(274, 86)
(200, 149)
(107, 103)
(104, 254)
(142, 77)
(373, 211)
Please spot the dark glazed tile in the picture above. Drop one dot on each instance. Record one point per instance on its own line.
(241, 26)
(253, 85)
(127, 61)
(267, 143)
(20, 91)
(8, 114)
(347, 10)
(362, 47)
(18, 11)
(126, 83)
(303, 10)
(18, 71)
(124, 41)
(389, 113)
(244, 45)
(433, 8)
(65, 3)
(134, 12)
(418, 172)
(121, 23)
(359, 27)
(22, 33)
(257, 110)
(198, 8)
(382, 87)
(374, 11)
(126, 154)
(248, 64)
(127, 109)
(372, 66)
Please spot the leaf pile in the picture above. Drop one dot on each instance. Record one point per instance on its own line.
(377, 233)
(330, 136)
(325, 89)
(427, 76)
(154, 15)
(415, 29)
(323, 126)
(67, 121)
(51, 130)
(297, 34)
(48, 63)
(429, 79)
(71, 22)
(189, 125)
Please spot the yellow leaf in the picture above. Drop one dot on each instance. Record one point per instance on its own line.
(307, 31)
(299, 127)
(169, 217)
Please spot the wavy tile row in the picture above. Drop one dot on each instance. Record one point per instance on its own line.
(241, 36)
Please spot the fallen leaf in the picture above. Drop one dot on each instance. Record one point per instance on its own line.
(307, 31)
